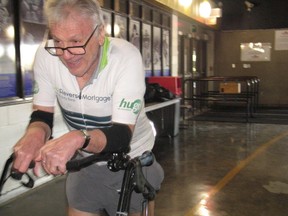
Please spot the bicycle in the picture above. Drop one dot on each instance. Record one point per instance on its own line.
(133, 179)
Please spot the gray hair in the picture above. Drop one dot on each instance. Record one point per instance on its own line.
(58, 10)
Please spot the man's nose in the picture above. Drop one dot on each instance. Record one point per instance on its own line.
(67, 54)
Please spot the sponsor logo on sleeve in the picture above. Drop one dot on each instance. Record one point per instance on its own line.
(134, 106)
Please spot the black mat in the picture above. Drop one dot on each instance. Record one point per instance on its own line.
(238, 114)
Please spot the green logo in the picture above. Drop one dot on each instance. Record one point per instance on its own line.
(135, 106)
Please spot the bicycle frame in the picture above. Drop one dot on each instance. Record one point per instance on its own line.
(134, 180)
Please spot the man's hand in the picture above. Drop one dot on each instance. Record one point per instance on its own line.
(27, 148)
(55, 153)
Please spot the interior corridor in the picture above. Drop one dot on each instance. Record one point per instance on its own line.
(211, 169)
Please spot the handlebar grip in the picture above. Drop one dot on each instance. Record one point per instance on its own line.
(15, 174)
(77, 164)
(147, 158)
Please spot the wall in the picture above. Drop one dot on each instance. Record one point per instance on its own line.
(13, 122)
(174, 46)
(268, 14)
(191, 11)
(273, 74)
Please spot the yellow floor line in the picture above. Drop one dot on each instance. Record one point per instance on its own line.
(226, 179)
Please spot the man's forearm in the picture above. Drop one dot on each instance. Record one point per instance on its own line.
(40, 129)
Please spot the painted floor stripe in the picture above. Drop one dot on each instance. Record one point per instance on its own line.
(226, 179)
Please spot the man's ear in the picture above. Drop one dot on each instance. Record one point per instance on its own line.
(101, 35)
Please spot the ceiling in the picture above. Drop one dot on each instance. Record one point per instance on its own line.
(265, 14)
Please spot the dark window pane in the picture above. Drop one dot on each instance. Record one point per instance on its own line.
(135, 9)
(166, 21)
(147, 13)
(107, 4)
(121, 6)
(156, 17)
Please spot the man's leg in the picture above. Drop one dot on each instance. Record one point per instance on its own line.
(75, 212)
(151, 206)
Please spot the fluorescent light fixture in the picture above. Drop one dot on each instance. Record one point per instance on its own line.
(185, 3)
(216, 12)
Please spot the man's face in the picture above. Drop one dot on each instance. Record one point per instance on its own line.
(75, 31)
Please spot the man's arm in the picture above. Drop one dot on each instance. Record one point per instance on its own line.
(37, 133)
(117, 137)
(57, 152)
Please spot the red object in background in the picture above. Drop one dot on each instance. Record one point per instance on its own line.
(171, 83)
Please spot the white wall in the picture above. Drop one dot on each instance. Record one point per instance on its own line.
(13, 122)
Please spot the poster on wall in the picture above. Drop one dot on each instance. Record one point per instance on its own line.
(166, 52)
(134, 30)
(120, 27)
(146, 49)
(32, 11)
(33, 25)
(156, 51)
(255, 51)
(281, 39)
(107, 18)
(7, 51)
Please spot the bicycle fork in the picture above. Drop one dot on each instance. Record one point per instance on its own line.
(131, 183)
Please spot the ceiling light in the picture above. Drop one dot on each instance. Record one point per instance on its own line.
(205, 9)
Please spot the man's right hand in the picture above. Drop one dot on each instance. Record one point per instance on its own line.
(27, 148)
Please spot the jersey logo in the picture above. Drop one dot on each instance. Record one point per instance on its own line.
(134, 106)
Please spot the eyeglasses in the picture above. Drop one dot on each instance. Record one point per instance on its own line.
(74, 50)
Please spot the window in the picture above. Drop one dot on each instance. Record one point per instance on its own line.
(106, 4)
(147, 13)
(149, 30)
(121, 6)
(8, 80)
(156, 17)
(135, 9)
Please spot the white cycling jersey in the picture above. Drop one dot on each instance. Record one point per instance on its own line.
(114, 94)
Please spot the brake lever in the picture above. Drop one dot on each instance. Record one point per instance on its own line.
(141, 183)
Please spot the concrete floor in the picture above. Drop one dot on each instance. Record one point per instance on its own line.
(211, 169)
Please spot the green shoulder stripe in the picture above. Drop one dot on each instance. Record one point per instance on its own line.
(104, 59)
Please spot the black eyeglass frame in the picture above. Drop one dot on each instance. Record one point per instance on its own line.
(48, 49)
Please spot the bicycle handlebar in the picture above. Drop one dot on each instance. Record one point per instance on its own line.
(115, 162)
(77, 164)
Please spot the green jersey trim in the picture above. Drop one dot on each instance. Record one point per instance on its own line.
(104, 59)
